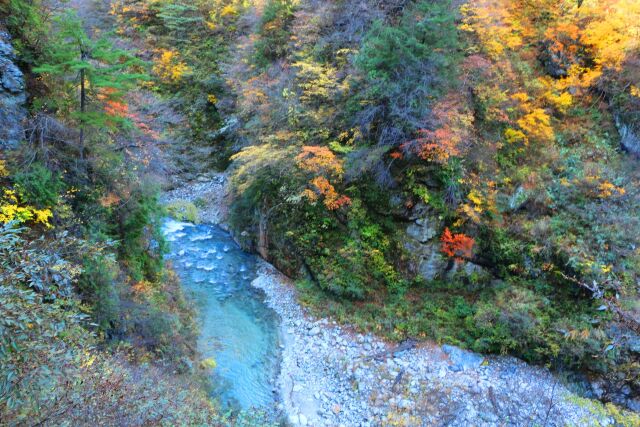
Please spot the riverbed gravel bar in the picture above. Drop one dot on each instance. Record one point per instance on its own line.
(332, 376)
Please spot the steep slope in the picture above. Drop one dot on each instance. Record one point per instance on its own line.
(437, 172)
(428, 169)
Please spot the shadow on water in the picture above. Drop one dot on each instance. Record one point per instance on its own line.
(237, 329)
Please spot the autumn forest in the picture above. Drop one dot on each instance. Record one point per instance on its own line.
(429, 173)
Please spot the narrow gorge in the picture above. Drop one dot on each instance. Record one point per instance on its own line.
(319, 213)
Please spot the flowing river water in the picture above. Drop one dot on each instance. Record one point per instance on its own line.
(237, 329)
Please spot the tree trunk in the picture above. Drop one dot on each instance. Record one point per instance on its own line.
(83, 106)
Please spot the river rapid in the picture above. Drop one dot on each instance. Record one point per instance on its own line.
(237, 329)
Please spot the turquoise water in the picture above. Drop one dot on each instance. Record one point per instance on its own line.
(237, 329)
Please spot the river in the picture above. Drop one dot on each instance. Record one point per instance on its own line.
(237, 330)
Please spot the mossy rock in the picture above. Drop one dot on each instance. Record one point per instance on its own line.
(182, 210)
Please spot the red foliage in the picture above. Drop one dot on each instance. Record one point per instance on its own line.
(458, 246)
(396, 155)
(453, 122)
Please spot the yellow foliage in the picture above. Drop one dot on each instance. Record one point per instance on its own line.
(3, 169)
(318, 82)
(209, 363)
(520, 96)
(476, 198)
(169, 67)
(229, 10)
(10, 210)
(608, 189)
(560, 102)
(514, 136)
(537, 126)
(612, 29)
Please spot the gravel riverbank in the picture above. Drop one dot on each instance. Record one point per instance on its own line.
(332, 376)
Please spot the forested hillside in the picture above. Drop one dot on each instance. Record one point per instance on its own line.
(459, 172)
(465, 173)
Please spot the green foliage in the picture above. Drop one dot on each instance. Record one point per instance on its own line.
(25, 21)
(405, 67)
(182, 210)
(196, 35)
(72, 55)
(179, 17)
(97, 286)
(141, 245)
(607, 411)
(39, 186)
(274, 32)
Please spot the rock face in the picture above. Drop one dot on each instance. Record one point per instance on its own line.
(12, 96)
(629, 137)
(422, 242)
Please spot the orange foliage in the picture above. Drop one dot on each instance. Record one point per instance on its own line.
(458, 246)
(322, 162)
(332, 200)
(114, 106)
(319, 160)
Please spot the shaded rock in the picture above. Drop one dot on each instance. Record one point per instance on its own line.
(422, 242)
(629, 136)
(430, 262)
(12, 96)
(420, 210)
(422, 231)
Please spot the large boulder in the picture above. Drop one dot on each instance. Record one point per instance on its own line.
(12, 96)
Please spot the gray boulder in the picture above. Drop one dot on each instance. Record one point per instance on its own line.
(462, 360)
(423, 244)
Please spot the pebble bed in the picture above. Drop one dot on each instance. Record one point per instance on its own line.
(330, 376)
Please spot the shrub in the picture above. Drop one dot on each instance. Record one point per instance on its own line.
(97, 285)
(51, 373)
(39, 186)
(274, 32)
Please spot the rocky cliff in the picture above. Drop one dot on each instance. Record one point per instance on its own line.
(12, 95)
